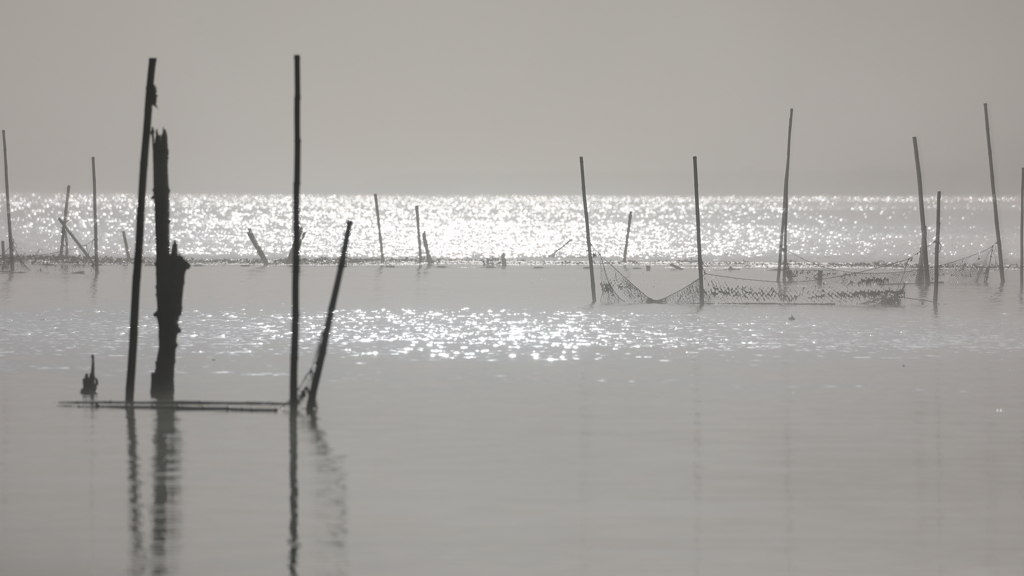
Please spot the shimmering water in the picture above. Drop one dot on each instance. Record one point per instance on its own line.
(734, 228)
(485, 420)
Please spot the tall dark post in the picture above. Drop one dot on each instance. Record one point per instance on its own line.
(256, 245)
(321, 353)
(170, 276)
(95, 222)
(419, 238)
(922, 266)
(784, 234)
(1021, 253)
(7, 193)
(426, 248)
(629, 225)
(293, 383)
(380, 235)
(586, 221)
(995, 208)
(938, 220)
(700, 253)
(64, 246)
(140, 224)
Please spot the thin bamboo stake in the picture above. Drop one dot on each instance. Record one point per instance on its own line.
(922, 266)
(1021, 253)
(293, 382)
(629, 225)
(938, 220)
(140, 224)
(419, 240)
(784, 234)
(700, 253)
(325, 338)
(95, 222)
(995, 208)
(64, 251)
(586, 221)
(67, 231)
(7, 194)
(127, 253)
(380, 235)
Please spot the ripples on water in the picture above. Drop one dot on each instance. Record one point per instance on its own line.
(735, 228)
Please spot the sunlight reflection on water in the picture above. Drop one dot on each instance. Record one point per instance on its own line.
(736, 228)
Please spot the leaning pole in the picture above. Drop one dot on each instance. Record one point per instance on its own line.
(586, 221)
(140, 223)
(995, 208)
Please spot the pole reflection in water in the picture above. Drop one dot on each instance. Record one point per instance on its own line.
(138, 559)
(293, 494)
(329, 522)
(166, 489)
(165, 513)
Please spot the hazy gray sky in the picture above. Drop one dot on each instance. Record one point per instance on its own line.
(477, 96)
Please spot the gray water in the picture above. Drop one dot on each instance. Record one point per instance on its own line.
(479, 420)
(490, 421)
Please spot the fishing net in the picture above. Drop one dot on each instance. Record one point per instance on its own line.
(973, 269)
(883, 286)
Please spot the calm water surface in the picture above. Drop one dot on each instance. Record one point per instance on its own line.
(490, 421)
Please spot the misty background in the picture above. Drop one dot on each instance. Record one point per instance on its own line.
(470, 97)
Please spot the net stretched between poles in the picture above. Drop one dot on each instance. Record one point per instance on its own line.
(882, 286)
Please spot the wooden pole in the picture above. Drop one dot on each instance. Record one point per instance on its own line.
(293, 382)
(995, 208)
(938, 215)
(1021, 253)
(922, 266)
(321, 354)
(170, 276)
(67, 231)
(7, 194)
(586, 221)
(419, 240)
(256, 245)
(95, 222)
(700, 253)
(380, 235)
(64, 252)
(426, 250)
(127, 253)
(629, 225)
(784, 234)
(140, 225)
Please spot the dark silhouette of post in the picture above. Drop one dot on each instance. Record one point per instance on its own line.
(784, 234)
(995, 208)
(95, 222)
(938, 220)
(7, 194)
(922, 265)
(127, 252)
(700, 253)
(380, 235)
(629, 225)
(1021, 253)
(586, 222)
(321, 353)
(170, 276)
(419, 238)
(256, 245)
(64, 251)
(293, 382)
(140, 224)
